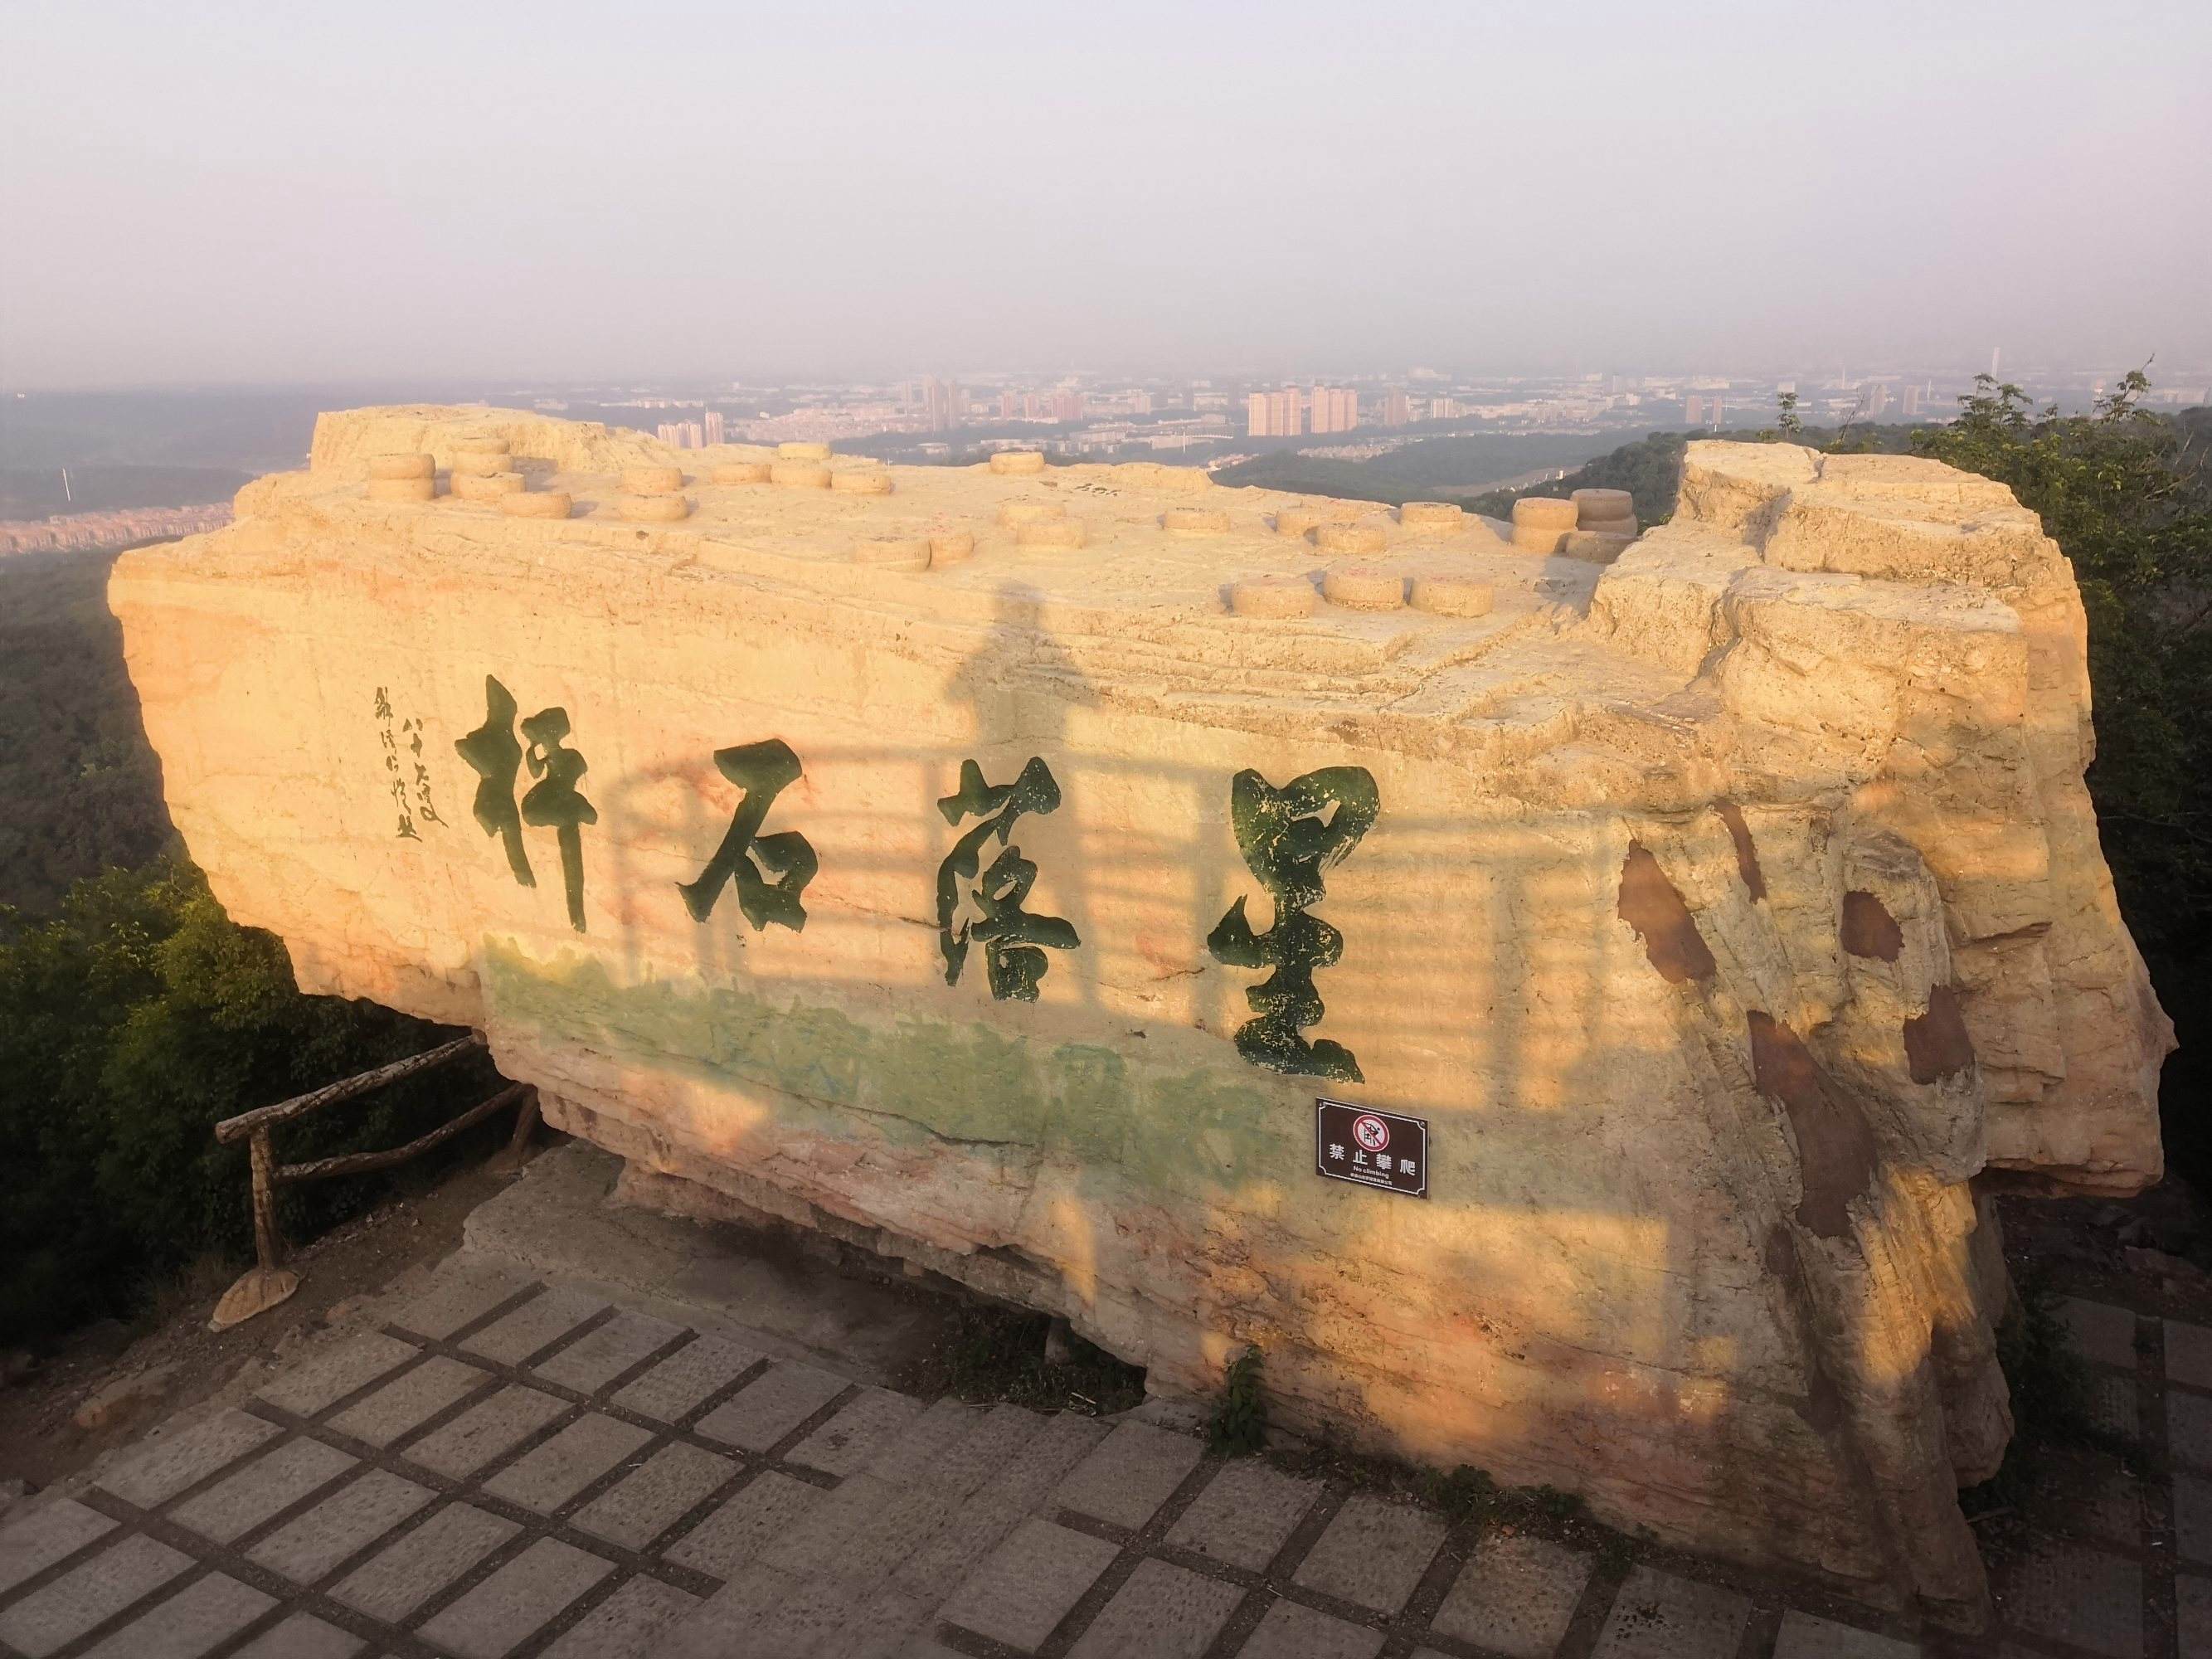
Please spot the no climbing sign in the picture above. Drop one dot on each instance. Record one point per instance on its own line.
(1371, 1148)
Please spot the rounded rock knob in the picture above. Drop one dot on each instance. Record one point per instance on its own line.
(1452, 596)
(1272, 596)
(652, 480)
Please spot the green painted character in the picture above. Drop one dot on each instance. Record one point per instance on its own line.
(1014, 941)
(493, 752)
(1289, 836)
(554, 801)
(769, 872)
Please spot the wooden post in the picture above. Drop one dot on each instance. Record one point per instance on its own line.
(268, 1243)
(268, 1282)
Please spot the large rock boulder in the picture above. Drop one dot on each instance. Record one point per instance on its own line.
(947, 858)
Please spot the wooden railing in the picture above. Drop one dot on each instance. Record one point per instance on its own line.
(269, 1281)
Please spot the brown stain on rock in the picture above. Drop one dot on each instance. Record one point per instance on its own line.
(1747, 855)
(1936, 1045)
(1869, 929)
(1653, 905)
(1835, 1145)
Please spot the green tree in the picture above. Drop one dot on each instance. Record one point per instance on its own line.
(2121, 491)
(129, 1025)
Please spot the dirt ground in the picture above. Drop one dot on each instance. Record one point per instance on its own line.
(176, 1361)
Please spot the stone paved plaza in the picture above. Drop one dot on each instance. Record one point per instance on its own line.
(508, 1468)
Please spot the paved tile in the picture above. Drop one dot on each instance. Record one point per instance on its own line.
(410, 1400)
(1162, 1612)
(863, 1426)
(2192, 1517)
(624, 1625)
(679, 1384)
(881, 1626)
(490, 1619)
(2071, 1592)
(544, 1320)
(2188, 1354)
(1064, 1440)
(1804, 1637)
(199, 1617)
(771, 1406)
(1130, 1474)
(654, 1496)
(861, 1532)
(459, 1294)
(998, 1438)
(302, 1635)
(2102, 1332)
(1244, 1515)
(161, 1468)
(318, 1383)
(236, 1504)
(2192, 1601)
(58, 1531)
(764, 1509)
(1656, 1615)
(1515, 1596)
(487, 1431)
(763, 1613)
(309, 1547)
(551, 1473)
(2113, 1404)
(2188, 1427)
(89, 1593)
(916, 1448)
(400, 1579)
(976, 1527)
(1027, 1584)
(593, 1361)
(1372, 1553)
(1292, 1631)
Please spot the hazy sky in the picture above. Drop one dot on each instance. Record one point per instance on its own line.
(216, 191)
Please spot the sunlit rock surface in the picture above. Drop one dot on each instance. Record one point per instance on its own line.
(1726, 910)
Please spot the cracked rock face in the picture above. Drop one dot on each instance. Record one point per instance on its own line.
(1730, 911)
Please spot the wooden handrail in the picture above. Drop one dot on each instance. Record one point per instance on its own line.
(246, 1123)
(323, 1169)
(269, 1282)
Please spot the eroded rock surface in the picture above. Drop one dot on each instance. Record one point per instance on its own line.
(947, 858)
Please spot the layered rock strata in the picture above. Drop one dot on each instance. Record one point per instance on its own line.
(996, 864)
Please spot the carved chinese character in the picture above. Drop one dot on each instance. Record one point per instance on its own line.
(553, 801)
(496, 755)
(1014, 940)
(1289, 836)
(768, 871)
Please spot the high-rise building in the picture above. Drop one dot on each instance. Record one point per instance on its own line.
(1911, 400)
(1275, 414)
(1335, 409)
(1066, 406)
(712, 424)
(683, 435)
(1693, 410)
(941, 404)
(1397, 408)
(1009, 404)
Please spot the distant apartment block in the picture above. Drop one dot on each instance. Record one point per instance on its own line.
(1335, 409)
(1275, 414)
(684, 435)
(1397, 408)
